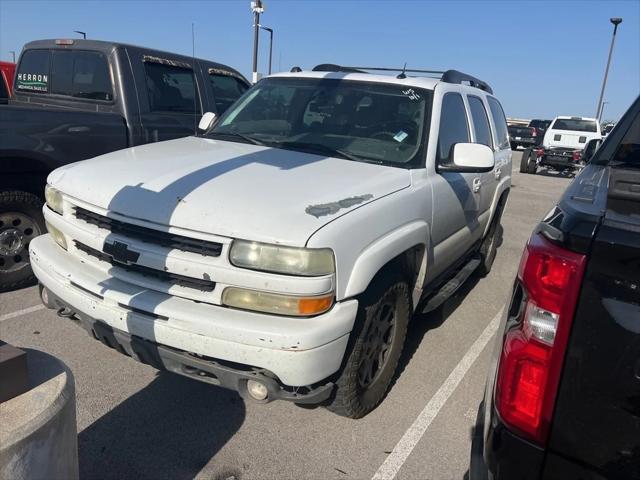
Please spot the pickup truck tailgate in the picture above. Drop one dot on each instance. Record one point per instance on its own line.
(599, 394)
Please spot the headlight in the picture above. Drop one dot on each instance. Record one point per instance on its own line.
(57, 235)
(275, 303)
(309, 262)
(53, 198)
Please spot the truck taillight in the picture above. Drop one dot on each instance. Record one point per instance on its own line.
(576, 155)
(534, 132)
(533, 350)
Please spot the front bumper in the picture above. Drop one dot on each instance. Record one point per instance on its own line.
(298, 352)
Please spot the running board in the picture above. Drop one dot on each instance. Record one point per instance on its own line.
(451, 286)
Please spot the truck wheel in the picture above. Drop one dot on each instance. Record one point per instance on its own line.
(532, 166)
(524, 161)
(20, 221)
(374, 348)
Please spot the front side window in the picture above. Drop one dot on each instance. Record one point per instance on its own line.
(33, 72)
(361, 121)
(453, 125)
(480, 121)
(500, 123)
(171, 89)
(574, 124)
(226, 90)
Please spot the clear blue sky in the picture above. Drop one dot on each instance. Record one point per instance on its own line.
(542, 58)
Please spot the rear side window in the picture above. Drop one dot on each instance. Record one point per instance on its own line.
(453, 125)
(171, 89)
(226, 90)
(33, 72)
(480, 121)
(500, 122)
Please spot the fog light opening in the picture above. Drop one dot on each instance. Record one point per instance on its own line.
(257, 390)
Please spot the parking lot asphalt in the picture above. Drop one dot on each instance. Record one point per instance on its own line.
(135, 422)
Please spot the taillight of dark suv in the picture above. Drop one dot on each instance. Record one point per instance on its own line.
(534, 344)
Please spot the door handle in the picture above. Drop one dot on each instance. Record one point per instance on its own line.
(476, 184)
(78, 129)
(497, 173)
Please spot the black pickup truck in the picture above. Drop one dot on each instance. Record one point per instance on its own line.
(528, 136)
(76, 99)
(563, 396)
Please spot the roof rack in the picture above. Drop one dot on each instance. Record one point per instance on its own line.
(448, 76)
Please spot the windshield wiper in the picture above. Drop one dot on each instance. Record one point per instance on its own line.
(242, 136)
(319, 148)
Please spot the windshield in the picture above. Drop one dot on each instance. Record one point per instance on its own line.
(355, 120)
(577, 125)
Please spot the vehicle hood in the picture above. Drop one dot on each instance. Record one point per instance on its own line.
(226, 188)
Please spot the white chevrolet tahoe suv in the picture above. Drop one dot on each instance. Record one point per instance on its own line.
(283, 251)
(562, 145)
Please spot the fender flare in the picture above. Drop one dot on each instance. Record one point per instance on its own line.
(503, 186)
(377, 254)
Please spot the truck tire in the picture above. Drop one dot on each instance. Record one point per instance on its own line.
(374, 349)
(524, 162)
(21, 221)
(532, 166)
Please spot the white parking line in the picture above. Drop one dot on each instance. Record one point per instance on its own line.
(389, 469)
(19, 313)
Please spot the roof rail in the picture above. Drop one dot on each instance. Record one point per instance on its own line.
(454, 76)
(448, 76)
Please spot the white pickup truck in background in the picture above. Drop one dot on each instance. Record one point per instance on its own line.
(283, 251)
(562, 146)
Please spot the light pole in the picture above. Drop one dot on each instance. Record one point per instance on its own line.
(602, 110)
(13, 54)
(84, 34)
(257, 8)
(616, 21)
(270, 30)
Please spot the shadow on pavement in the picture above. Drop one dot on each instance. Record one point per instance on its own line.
(170, 429)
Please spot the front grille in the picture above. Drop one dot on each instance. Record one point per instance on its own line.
(150, 235)
(183, 281)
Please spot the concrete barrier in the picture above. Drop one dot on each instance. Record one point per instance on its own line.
(38, 433)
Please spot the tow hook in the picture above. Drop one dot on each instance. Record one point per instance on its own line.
(66, 313)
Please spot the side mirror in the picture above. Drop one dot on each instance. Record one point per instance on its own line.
(469, 158)
(590, 148)
(207, 121)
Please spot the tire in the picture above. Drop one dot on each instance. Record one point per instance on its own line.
(524, 161)
(513, 146)
(532, 167)
(21, 220)
(489, 246)
(360, 387)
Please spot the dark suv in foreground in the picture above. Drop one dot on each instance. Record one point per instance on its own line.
(563, 395)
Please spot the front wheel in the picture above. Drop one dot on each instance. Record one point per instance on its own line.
(374, 349)
(20, 221)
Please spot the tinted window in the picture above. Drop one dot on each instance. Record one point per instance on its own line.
(33, 71)
(577, 125)
(500, 123)
(541, 124)
(480, 121)
(226, 90)
(62, 72)
(91, 78)
(453, 125)
(171, 89)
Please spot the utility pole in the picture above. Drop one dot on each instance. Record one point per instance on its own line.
(616, 22)
(270, 30)
(257, 8)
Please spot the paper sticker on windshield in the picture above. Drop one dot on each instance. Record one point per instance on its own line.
(411, 93)
(400, 136)
(32, 81)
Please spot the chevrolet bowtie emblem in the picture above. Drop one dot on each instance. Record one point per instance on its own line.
(120, 252)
